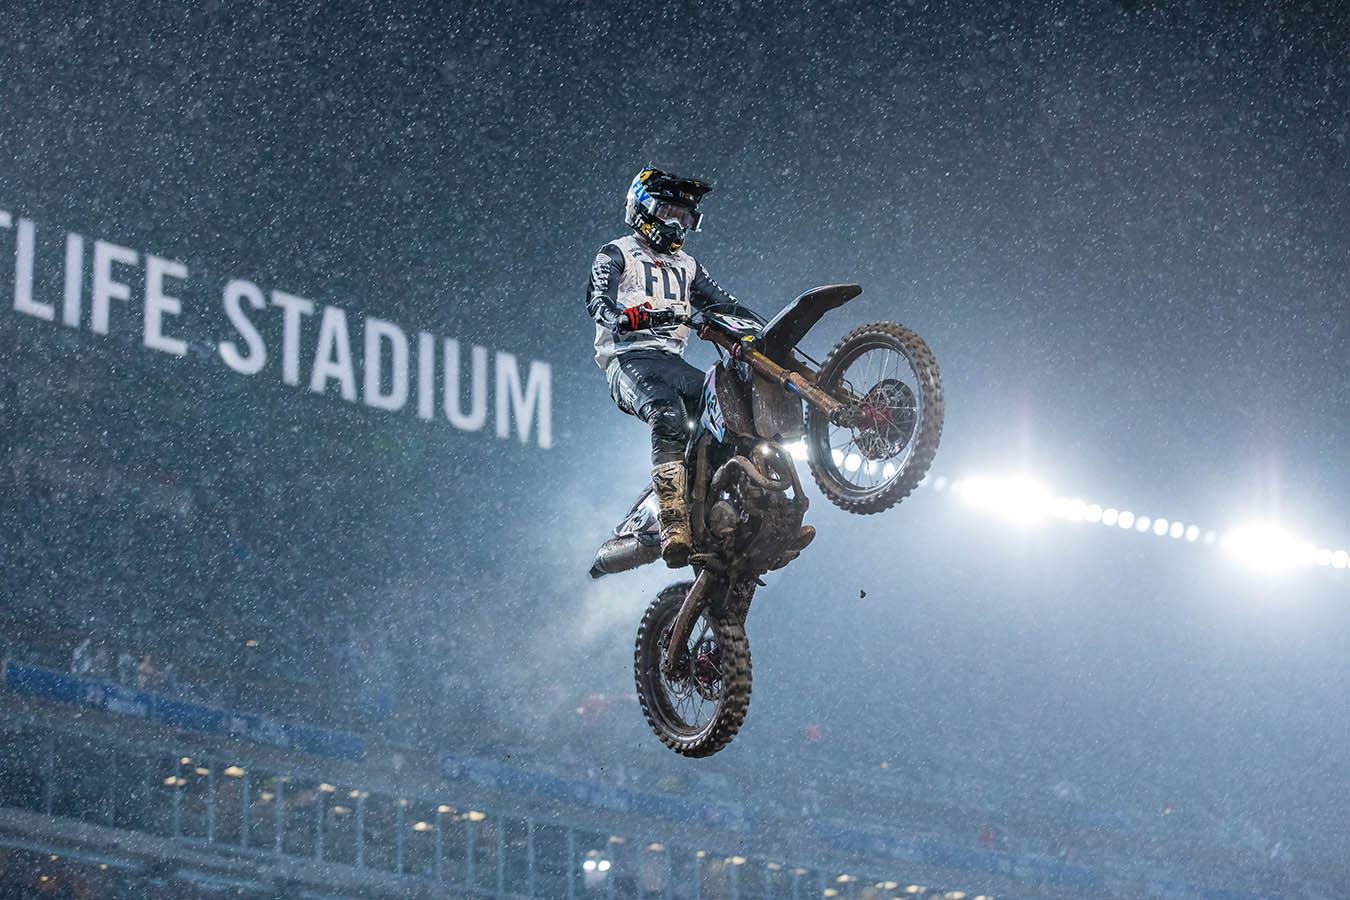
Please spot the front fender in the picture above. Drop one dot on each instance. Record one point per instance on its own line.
(792, 323)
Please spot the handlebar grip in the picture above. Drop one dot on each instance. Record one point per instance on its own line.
(666, 317)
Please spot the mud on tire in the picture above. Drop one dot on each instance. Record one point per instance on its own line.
(833, 480)
(719, 647)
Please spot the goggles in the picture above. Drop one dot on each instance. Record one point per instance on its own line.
(671, 213)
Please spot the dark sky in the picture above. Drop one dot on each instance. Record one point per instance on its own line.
(1120, 226)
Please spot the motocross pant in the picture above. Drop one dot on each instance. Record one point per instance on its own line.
(662, 390)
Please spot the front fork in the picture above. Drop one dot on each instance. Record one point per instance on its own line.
(843, 414)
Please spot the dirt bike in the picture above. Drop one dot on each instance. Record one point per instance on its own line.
(872, 425)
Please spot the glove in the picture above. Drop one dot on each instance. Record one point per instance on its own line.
(642, 317)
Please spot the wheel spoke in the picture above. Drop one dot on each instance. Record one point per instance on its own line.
(693, 700)
(891, 402)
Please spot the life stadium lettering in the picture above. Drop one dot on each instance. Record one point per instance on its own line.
(376, 361)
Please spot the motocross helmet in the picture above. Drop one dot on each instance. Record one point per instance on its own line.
(663, 208)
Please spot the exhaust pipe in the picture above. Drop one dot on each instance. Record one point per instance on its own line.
(619, 554)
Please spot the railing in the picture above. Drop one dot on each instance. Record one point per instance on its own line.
(238, 805)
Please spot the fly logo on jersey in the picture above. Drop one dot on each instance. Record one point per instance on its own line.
(674, 281)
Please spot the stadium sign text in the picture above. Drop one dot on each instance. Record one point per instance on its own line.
(382, 366)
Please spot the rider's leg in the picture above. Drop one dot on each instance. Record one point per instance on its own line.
(651, 385)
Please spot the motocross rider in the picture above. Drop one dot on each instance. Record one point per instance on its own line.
(639, 284)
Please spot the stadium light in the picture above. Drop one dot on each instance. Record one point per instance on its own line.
(1022, 499)
(1264, 547)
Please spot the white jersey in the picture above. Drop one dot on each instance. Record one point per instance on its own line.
(628, 272)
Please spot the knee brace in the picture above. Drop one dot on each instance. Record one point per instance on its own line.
(669, 432)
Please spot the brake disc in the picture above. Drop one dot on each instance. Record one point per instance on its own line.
(891, 413)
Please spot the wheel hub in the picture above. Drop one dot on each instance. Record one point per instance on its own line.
(706, 676)
(888, 415)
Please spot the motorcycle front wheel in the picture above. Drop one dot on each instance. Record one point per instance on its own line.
(697, 710)
(890, 379)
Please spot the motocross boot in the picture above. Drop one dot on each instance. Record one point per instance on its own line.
(670, 480)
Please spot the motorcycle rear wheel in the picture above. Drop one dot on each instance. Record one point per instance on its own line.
(698, 712)
(900, 439)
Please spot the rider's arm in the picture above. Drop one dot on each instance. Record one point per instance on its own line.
(705, 293)
(603, 294)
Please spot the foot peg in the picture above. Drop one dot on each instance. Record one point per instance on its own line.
(804, 537)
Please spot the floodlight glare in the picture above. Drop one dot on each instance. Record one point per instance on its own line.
(1075, 510)
(1264, 547)
(1023, 499)
(852, 461)
(1017, 498)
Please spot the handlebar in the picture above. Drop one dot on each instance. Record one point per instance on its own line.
(693, 318)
